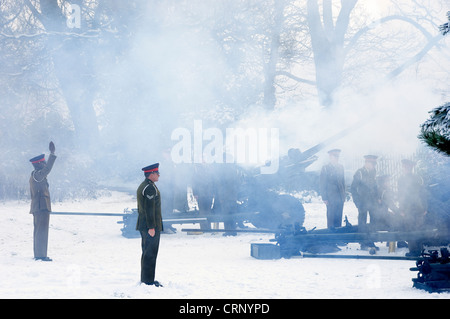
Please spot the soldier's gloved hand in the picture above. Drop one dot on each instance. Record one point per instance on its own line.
(51, 147)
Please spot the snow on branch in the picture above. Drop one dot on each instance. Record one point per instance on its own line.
(435, 132)
(88, 34)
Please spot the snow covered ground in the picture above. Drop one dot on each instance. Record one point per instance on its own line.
(92, 260)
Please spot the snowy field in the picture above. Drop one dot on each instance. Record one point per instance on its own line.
(92, 260)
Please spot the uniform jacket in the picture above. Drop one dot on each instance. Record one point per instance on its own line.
(332, 183)
(40, 195)
(149, 207)
(364, 188)
(386, 202)
(412, 195)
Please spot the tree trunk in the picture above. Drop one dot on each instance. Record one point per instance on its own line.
(73, 69)
(328, 46)
(270, 68)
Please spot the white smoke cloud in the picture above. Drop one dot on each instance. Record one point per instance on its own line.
(390, 115)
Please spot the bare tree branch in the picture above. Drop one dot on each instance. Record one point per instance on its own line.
(88, 34)
(296, 78)
(415, 58)
(368, 28)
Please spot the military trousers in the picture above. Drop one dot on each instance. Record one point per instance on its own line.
(150, 246)
(41, 222)
(363, 212)
(334, 213)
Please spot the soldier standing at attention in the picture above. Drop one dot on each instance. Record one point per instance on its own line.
(364, 193)
(332, 188)
(412, 203)
(40, 202)
(149, 223)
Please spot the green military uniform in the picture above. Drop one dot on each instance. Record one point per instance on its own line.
(364, 193)
(226, 195)
(387, 212)
(149, 208)
(40, 204)
(332, 190)
(412, 202)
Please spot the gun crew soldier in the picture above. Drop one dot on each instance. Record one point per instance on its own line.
(412, 201)
(332, 189)
(149, 223)
(40, 202)
(387, 211)
(364, 193)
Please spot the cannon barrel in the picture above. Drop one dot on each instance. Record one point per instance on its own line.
(87, 214)
(319, 147)
(306, 158)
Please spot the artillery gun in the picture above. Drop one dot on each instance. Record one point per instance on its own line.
(297, 241)
(269, 195)
(433, 271)
(264, 200)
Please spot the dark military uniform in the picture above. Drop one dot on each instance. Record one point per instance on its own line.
(40, 204)
(412, 200)
(332, 190)
(364, 193)
(149, 208)
(387, 212)
(413, 205)
(226, 190)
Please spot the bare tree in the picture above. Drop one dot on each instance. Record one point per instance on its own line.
(339, 42)
(72, 66)
(328, 41)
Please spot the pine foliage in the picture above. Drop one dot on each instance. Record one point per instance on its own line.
(435, 132)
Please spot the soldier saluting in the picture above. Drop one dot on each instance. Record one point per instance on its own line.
(149, 223)
(40, 202)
